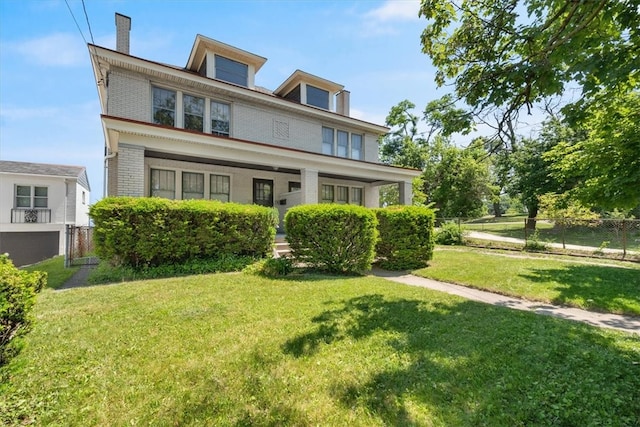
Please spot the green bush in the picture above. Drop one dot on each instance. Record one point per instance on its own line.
(144, 231)
(406, 237)
(334, 238)
(450, 233)
(18, 291)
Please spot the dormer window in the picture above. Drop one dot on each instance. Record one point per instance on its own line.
(317, 97)
(231, 71)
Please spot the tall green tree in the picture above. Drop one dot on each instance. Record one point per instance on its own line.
(505, 55)
(531, 169)
(603, 165)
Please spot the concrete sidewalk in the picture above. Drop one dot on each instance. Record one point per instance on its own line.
(612, 321)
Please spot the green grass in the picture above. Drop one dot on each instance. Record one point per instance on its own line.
(57, 274)
(609, 287)
(233, 350)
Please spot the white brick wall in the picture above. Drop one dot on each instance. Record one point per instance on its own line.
(130, 170)
(129, 96)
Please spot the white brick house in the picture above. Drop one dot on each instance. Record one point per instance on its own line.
(37, 201)
(207, 131)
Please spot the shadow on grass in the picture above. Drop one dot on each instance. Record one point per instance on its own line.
(602, 288)
(470, 364)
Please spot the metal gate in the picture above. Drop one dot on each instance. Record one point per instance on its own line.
(79, 246)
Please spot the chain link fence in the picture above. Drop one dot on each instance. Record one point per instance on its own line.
(79, 246)
(613, 238)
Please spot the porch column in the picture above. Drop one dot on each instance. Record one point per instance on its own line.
(405, 190)
(309, 184)
(371, 196)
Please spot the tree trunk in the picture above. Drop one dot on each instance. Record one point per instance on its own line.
(531, 218)
(497, 212)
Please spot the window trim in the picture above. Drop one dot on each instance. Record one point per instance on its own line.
(151, 190)
(211, 193)
(153, 105)
(185, 114)
(32, 196)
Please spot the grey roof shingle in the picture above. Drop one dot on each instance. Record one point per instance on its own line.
(27, 168)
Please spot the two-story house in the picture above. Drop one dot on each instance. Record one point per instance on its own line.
(38, 202)
(206, 130)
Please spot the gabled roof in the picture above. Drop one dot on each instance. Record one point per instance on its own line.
(26, 168)
(203, 44)
(299, 76)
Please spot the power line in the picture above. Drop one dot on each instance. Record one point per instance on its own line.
(74, 20)
(88, 24)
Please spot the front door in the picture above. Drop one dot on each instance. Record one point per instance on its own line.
(263, 192)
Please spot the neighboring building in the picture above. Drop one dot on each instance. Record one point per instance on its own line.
(37, 201)
(207, 131)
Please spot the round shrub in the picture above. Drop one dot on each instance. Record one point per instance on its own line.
(334, 238)
(406, 237)
(450, 233)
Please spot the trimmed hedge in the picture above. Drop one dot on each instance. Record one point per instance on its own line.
(144, 231)
(18, 289)
(406, 237)
(335, 238)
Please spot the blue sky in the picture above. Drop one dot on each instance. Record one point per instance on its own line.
(49, 110)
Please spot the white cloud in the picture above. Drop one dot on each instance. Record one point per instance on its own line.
(57, 50)
(395, 10)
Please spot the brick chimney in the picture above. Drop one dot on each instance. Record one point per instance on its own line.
(123, 26)
(342, 102)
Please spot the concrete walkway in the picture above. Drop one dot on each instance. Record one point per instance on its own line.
(627, 324)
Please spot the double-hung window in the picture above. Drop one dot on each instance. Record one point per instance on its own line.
(28, 197)
(163, 183)
(356, 196)
(220, 118)
(343, 194)
(192, 185)
(327, 141)
(193, 112)
(356, 146)
(219, 188)
(327, 193)
(164, 106)
(343, 143)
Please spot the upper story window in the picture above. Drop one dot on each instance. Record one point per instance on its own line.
(28, 196)
(164, 107)
(336, 142)
(327, 141)
(232, 71)
(317, 97)
(356, 146)
(193, 113)
(343, 143)
(192, 185)
(163, 183)
(220, 119)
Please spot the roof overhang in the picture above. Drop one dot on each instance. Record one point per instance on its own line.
(212, 149)
(203, 44)
(103, 59)
(300, 76)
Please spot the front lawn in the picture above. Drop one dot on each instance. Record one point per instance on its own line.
(593, 285)
(233, 349)
(57, 274)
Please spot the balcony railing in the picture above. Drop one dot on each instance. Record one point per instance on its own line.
(30, 216)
